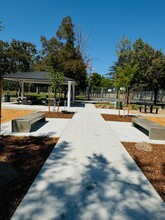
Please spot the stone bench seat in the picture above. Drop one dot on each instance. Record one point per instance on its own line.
(24, 123)
(155, 130)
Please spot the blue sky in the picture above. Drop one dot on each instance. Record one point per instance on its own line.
(106, 21)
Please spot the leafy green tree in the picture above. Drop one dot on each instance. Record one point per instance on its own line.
(61, 53)
(56, 78)
(106, 82)
(150, 67)
(95, 80)
(125, 76)
(123, 52)
(142, 56)
(123, 71)
(66, 34)
(156, 74)
(124, 80)
(4, 58)
(21, 56)
(71, 62)
(17, 56)
(50, 54)
(139, 66)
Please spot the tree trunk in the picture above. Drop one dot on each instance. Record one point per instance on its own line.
(117, 94)
(128, 94)
(155, 95)
(119, 101)
(49, 99)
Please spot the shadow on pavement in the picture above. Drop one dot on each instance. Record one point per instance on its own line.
(93, 189)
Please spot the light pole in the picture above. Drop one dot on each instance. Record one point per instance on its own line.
(89, 83)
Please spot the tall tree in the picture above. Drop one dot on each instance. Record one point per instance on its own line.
(50, 54)
(150, 63)
(61, 53)
(140, 65)
(4, 58)
(142, 56)
(156, 74)
(71, 62)
(21, 56)
(123, 52)
(95, 80)
(17, 56)
(124, 69)
(82, 46)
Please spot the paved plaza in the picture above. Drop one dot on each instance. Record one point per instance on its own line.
(89, 174)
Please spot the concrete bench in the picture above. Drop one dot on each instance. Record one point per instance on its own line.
(156, 131)
(24, 123)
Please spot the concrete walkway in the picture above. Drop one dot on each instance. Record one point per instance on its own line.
(90, 176)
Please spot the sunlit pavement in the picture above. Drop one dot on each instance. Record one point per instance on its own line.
(90, 175)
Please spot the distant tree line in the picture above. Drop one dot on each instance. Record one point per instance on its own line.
(138, 67)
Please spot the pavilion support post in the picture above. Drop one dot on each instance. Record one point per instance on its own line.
(49, 99)
(22, 90)
(73, 92)
(69, 94)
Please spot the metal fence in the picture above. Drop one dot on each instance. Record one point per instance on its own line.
(107, 94)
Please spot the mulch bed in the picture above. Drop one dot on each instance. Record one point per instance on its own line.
(64, 114)
(108, 117)
(152, 164)
(26, 155)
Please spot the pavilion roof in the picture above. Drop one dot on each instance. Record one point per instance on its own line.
(39, 77)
